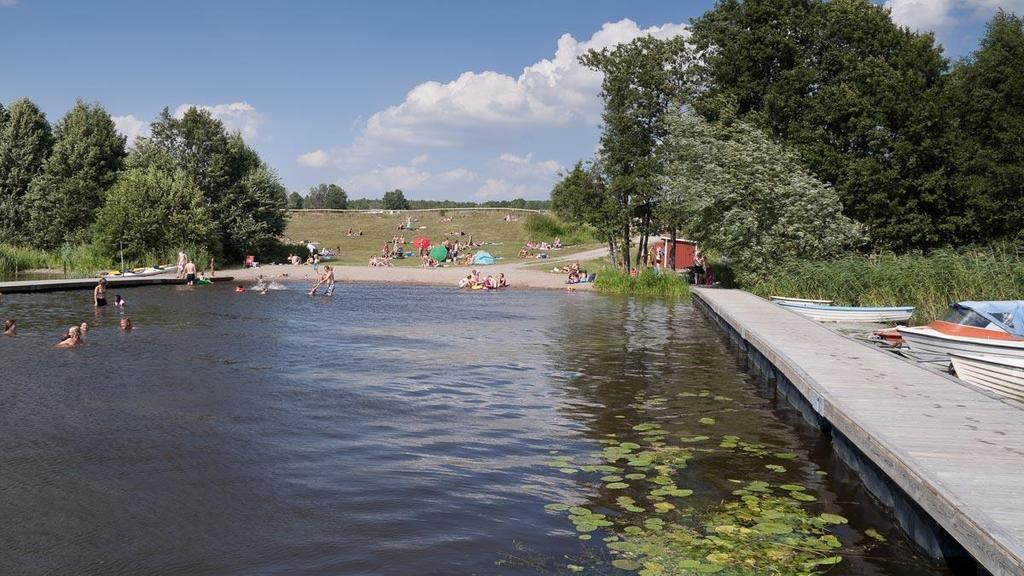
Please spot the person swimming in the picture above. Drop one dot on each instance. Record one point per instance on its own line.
(239, 289)
(118, 301)
(72, 339)
(126, 324)
(10, 327)
(83, 328)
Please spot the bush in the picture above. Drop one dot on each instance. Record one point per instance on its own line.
(547, 228)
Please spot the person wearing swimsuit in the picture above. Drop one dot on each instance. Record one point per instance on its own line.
(99, 294)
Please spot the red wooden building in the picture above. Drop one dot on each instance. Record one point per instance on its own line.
(685, 252)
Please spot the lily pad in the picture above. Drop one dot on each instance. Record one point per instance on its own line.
(627, 564)
(616, 486)
(832, 518)
(707, 421)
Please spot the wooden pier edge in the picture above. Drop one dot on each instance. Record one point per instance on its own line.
(966, 517)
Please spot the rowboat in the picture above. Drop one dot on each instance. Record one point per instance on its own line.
(798, 300)
(1003, 376)
(829, 313)
(140, 272)
(994, 328)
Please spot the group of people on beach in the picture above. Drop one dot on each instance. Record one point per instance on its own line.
(475, 281)
(187, 269)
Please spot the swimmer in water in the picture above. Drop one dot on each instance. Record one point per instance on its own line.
(83, 328)
(10, 327)
(239, 289)
(126, 324)
(118, 301)
(73, 339)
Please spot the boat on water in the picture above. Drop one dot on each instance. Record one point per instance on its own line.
(1002, 376)
(139, 272)
(798, 300)
(830, 313)
(994, 328)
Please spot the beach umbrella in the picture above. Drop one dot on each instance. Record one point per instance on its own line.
(439, 253)
(421, 243)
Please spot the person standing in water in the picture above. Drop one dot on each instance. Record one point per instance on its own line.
(99, 293)
(190, 272)
(10, 327)
(73, 339)
(326, 279)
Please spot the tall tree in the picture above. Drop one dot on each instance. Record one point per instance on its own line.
(395, 200)
(88, 153)
(581, 197)
(294, 201)
(330, 196)
(642, 81)
(858, 96)
(749, 198)
(25, 143)
(986, 95)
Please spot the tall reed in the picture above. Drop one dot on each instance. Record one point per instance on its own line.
(547, 228)
(647, 283)
(928, 282)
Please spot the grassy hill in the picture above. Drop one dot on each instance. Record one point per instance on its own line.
(502, 239)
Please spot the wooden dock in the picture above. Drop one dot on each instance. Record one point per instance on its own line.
(27, 286)
(957, 453)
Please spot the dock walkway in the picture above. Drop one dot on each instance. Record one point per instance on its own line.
(957, 453)
(60, 285)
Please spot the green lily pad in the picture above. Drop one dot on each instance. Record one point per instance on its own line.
(616, 486)
(872, 533)
(833, 518)
(557, 507)
(627, 564)
(707, 421)
(773, 528)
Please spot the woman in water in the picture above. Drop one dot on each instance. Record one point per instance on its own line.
(74, 338)
(126, 324)
(118, 301)
(10, 327)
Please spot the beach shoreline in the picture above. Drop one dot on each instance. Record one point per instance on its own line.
(518, 277)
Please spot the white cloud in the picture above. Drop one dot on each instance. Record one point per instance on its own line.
(496, 188)
(240, 116)
(522, 167)
(491, 107)
(8, 2)
(420, 160)
(942, 15)
(314, 159)
(410, 179)
(130, 126)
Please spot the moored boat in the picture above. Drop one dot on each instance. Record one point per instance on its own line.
(989, 328)
(1002, 376)
(829, 313)
(798, 300)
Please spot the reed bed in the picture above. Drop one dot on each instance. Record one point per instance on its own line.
(928, 282)
(647, 283)
(545, 227)
(71, 261)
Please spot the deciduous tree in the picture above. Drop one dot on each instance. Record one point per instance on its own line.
(25, 143)
(395, 200)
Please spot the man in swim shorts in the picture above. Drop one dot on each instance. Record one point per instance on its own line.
(190, 273)
(99, 293)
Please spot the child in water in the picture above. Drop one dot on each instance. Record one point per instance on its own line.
(118, 301)
(239, 289)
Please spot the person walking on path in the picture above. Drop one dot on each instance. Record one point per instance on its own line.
(99, 293)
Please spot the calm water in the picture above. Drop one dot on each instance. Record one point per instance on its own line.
(389, 430)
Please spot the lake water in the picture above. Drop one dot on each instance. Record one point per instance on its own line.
(389, 430)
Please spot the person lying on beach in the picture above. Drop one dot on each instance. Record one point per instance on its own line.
(10, 327)
(126, 324)
(72, 339)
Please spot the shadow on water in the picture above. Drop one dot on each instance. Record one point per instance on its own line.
(388, 430)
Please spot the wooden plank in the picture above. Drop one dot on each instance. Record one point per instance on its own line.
(27, 286)
(958, 453)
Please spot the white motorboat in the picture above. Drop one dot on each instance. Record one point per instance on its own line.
(1002, 376)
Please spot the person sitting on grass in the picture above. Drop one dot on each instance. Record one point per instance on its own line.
(574, 277)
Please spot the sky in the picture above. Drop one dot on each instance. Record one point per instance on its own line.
(458, 100)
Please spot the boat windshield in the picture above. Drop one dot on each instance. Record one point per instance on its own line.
(968, 317)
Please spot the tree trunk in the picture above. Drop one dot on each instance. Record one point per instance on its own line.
(671, 254)
(611, 253)
(625, 247)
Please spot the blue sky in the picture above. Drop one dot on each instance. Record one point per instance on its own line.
(444, 99)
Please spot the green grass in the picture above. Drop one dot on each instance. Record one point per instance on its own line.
(502, 239)
(648, 283)
(930, 283)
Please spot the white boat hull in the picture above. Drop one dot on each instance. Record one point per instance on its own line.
(930, 344)
(798, 300)
(1002, 376)
(849, 314)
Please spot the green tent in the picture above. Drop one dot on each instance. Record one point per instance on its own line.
(439, 253)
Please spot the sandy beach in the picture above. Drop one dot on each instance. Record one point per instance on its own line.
(518, 276)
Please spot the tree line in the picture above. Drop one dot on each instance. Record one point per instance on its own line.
(190, 184)
(805, 128)
(334, 197)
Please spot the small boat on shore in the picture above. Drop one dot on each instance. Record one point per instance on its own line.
(1002, 376)
(994, 328)
(798, 300)
(140, 272)
(829, 313)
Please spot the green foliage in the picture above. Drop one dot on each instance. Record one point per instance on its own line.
(152, 210)
(642, 81)
(647, 283)
(749, 198)
(62, 201)
(330, 196)
(25, 143)
(986, 97)
(73, 261)
(543, 227)
(856, 95)
(930, 283)
(395, 200)
(252, 216)
(295, 201)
